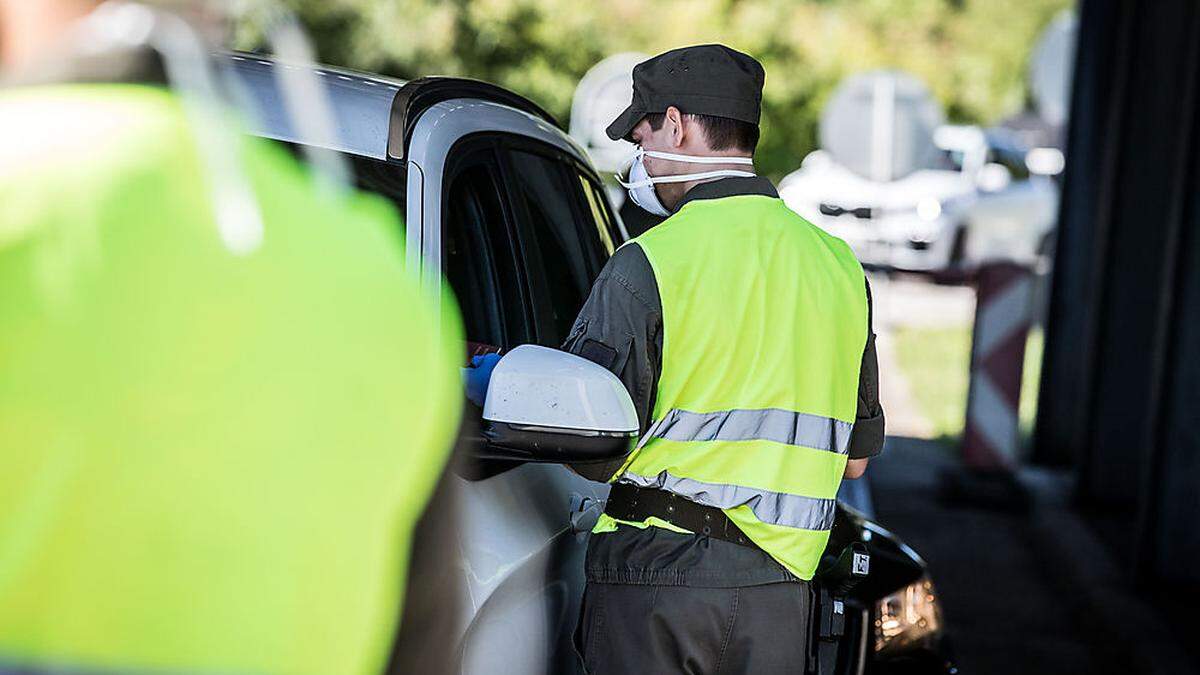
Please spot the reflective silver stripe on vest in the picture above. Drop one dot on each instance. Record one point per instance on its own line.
(766, 424)
(773, 508)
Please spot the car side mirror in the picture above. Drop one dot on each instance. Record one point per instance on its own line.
(545, 405)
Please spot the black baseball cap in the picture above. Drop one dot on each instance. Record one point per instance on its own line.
(700, 80)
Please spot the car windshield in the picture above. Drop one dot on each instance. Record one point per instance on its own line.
(950, 159)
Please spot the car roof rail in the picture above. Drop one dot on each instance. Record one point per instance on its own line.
(417, 96)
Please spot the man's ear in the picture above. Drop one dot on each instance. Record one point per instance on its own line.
(675, 118)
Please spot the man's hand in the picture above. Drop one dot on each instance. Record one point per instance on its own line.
(476, 377)
(855, 468)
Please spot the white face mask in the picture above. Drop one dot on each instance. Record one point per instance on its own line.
(641, 184)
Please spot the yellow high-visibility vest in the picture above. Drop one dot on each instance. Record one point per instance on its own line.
(764, 325)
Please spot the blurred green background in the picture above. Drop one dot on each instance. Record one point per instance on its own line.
(971, 53)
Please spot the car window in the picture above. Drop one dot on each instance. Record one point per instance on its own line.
(600, 215)
(1010, 159)
(950, 159)
(383, 178)
(478, 259)
(371, 175)
(561, 240)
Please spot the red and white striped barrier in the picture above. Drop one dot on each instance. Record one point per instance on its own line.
(1003, 313)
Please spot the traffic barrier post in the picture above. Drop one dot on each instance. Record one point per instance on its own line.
(1003, 314)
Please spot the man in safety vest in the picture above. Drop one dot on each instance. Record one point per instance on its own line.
(743, 334)
(221, 419)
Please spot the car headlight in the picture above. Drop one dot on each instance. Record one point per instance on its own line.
(909, 617)
(929, 209)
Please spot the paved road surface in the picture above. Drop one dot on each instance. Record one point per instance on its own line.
(1004, 614)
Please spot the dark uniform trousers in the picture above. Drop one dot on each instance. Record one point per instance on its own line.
(632, 628)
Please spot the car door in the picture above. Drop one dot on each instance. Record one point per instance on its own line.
(566, 232)
(523, 531)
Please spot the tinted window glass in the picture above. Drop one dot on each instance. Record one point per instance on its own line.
(372, 175)
(466, 254)
(603, 224)
(478, 257)
(383, 178)
(1012, 160)
(565, 252)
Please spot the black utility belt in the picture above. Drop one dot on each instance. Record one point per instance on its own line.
(629, 502)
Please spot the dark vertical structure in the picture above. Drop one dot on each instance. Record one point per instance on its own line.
(1120, 396)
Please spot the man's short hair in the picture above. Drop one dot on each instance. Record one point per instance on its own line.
(722, 133)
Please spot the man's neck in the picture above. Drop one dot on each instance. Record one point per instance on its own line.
(715, 167)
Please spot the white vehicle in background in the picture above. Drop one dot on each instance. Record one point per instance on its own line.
(985, 198)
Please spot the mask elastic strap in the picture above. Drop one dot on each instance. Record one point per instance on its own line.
(683, 178)
(306, 99)
(698, 159)
(186, 61)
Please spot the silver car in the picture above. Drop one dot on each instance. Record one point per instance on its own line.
(505, 207)
(988, 198)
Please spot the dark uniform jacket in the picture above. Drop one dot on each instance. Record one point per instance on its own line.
(620, 327)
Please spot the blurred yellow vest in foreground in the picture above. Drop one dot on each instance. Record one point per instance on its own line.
(210, 461)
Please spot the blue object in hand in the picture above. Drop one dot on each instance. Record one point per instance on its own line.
(477, 376)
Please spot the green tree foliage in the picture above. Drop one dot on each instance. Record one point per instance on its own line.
(971, 53)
